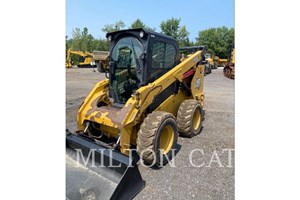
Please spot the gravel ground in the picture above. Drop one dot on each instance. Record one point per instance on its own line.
(211, 180)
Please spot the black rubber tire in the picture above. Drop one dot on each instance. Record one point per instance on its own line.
(185, 116)
(206, 68)
(148, 140)
(215, 66)
(100, 67)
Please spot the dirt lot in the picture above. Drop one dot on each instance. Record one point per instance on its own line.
(211, 180)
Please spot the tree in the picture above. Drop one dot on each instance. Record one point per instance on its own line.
(113, 27)
(217, 40)
(82, 40)
(183, 36)
(171, 27)
(76, 36)
(139, 24)
(101, 45)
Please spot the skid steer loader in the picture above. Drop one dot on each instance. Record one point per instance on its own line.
(149, 98)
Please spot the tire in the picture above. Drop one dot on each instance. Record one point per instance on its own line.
(100, 67)
(215, 66)
(156, 127)
(190, 116)
(209, 69)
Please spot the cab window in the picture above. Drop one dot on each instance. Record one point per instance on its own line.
(163, 58)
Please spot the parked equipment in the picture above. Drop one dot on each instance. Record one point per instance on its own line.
(223, 62)
(150, 98)
(86, 59)
(213, 61)
(229, 70)
(102, 60)
(186, 51)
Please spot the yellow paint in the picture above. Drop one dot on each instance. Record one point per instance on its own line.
(88, 58)
(233, 56)
(196, 120)
(125, 139)
(166, 139)
(110, 131)
(210, 61)
(172, 104)
(222, 61)
(99, 91)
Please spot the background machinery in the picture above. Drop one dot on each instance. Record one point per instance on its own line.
(222, 62)
(150, 97)
(101, 59)
(229, 70)
(187, 51)
(213, 61)
(85, 59)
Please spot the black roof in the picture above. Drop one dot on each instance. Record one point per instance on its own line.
(161, 35)
(201, 47)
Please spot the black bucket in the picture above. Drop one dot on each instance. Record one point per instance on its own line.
(94, 172)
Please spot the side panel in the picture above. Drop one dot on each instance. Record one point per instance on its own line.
(98, 93)
(172, 104)
(197, 84)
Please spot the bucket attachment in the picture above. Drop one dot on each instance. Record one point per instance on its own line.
(94, 172)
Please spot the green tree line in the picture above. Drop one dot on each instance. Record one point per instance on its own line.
(217, 40)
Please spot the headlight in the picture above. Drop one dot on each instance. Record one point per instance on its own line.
(142, 34)
(109, 38)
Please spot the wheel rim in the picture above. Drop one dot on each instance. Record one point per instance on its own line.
(196, 119)
(166, 139)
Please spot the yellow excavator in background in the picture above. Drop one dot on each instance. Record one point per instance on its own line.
(150, 97)
(86, 59)
(229, 70)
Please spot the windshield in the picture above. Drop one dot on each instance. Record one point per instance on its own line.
(126, 72)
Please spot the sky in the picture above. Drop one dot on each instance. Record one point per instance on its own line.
(197, 15)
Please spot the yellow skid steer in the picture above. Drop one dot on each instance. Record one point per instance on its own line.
(150, 97)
